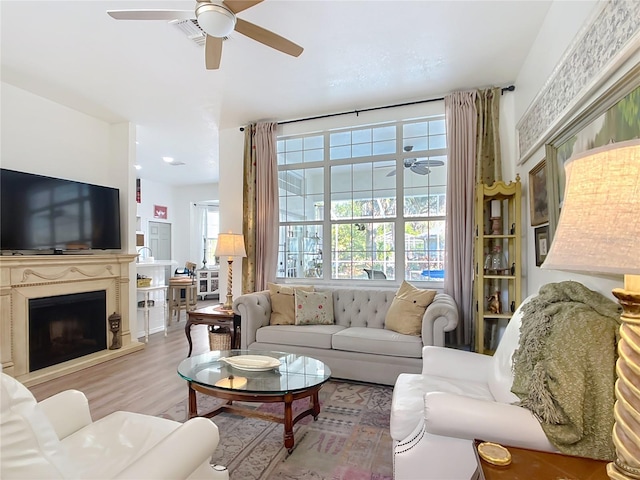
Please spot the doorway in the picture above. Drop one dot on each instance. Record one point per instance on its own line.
(160, 245)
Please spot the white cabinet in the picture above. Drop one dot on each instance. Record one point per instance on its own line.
(207, 282)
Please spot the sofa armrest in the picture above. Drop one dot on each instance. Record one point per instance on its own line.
(67, 411)
(255, 311)
(451, 415)
(439, 317)
(178, 455)
(458, 364)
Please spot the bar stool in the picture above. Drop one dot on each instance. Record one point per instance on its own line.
(182, 294)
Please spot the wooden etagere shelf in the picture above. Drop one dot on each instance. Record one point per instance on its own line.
(498, 278)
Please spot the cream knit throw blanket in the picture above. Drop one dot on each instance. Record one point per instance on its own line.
(564, 367)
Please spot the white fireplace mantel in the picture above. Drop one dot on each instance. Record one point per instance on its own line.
(23, 277)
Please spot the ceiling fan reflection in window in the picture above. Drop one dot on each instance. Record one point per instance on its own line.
(216, 19)
(420, 166)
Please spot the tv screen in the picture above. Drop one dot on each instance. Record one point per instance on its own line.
(45, 213)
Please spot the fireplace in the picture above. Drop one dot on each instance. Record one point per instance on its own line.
(64, 327)
(32, 282)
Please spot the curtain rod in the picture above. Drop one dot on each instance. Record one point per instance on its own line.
(510, 88)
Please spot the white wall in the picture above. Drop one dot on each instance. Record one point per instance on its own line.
(564, 21)
(230, 189)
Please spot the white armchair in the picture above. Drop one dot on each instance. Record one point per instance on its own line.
(460, 396)
(57, 439)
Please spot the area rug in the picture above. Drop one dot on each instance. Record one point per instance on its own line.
(349, 441)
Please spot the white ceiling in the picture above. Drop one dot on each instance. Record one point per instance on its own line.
(358, 54)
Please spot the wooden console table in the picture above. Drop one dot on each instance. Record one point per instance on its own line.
(532, 464)
(214, 316)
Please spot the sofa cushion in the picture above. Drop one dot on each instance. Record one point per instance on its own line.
(318, 336)
(407, 309)
(313, 308)
(114, 442)
(500, 377)
(283, 303)
(30, 445)
(378, 341)
(407, 403)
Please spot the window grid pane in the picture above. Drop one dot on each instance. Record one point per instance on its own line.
(300, 251)
(356, 246)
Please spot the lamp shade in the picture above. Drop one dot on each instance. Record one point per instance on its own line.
(599, 226)
(230, 245)
(215, 20)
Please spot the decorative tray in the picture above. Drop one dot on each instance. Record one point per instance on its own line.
(252, 363)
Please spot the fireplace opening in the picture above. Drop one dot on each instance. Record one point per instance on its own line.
(64, 327)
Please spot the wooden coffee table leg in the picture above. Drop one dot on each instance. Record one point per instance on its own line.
(187, 332)
(288, 422)
(193, 405)
(315, 399)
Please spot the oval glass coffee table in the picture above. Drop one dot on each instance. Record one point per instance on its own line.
(256, 376)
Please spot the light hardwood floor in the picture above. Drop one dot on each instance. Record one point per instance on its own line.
(144, 382)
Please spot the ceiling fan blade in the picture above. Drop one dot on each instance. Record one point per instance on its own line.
(239, 5)
(151, 14)
(212, 52)
(268, 38)
(420, 169)
(391, 173)
(429, 163)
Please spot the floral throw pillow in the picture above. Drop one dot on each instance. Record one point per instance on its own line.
(314, 308)
(283, 311)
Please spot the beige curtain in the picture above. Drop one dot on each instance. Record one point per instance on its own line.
(461, 117)
(260, 206)
(489, 160)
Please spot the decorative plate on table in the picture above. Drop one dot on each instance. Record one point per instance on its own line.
(252, 363)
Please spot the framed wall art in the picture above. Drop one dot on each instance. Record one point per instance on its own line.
(160, 211)
(538, 199)
(611, 118)
(541, 236)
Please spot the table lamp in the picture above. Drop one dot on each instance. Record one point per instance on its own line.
(230, 245)
(599, 232)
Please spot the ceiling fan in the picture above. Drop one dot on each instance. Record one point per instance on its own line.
(420, 167)
(217, 19)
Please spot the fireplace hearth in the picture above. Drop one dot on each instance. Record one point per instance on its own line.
(64, 327)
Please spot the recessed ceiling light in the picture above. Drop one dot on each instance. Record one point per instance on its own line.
(168, 159)
(138, 167)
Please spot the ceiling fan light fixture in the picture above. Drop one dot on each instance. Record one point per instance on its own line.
(215, 20)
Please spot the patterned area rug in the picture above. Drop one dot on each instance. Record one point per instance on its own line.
(349, 441)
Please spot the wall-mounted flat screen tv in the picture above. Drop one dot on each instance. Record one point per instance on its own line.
(46, 213)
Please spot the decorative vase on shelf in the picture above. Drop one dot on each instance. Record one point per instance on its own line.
(498, 260)
(488, 261)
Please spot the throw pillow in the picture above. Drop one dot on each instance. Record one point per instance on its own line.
(407, 309)
(283, 303)
(314, 308)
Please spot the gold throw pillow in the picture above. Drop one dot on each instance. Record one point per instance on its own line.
(407, 309)
(283, 311)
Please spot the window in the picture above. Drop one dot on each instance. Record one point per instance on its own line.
(366, 197)
(207, 229)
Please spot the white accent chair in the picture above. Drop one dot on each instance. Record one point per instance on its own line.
(460, 396)
(57, 439)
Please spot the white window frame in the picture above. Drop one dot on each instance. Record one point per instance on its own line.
(398, 221)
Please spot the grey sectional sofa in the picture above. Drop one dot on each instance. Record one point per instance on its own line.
(357, 346)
